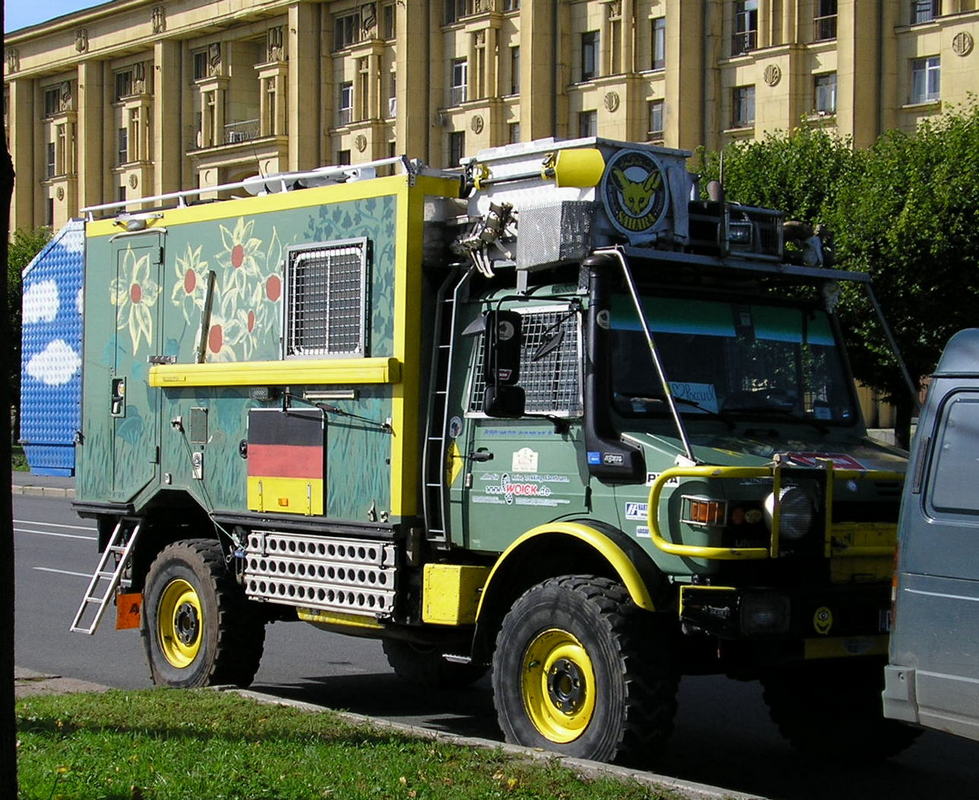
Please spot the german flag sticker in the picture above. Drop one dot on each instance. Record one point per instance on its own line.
(286, 460)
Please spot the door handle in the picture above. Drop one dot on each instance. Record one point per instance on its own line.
(481, 455)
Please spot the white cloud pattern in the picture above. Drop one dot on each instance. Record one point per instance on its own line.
(55, 365)
(41, 302)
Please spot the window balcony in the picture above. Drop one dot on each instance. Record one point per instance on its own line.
(242, 131)
(824, 28)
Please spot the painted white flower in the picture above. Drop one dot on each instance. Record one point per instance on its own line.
(134, 294)
(190, 288)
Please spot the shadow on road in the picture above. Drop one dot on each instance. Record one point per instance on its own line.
(723, 737)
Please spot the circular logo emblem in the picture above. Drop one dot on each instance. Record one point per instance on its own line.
(634, 192)
(773, 74)
(962, 44)
(822, 620)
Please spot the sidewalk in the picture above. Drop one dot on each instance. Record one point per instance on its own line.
(27, 682)
(42, 485)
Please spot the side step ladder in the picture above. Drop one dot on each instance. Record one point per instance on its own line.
(105, 580)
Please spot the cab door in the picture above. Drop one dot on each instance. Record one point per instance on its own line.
(525, 472)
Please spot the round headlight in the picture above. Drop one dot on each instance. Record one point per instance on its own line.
(795, 512)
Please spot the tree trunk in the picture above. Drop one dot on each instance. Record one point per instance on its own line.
(8, 725)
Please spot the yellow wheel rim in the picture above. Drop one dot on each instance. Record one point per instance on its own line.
(179, 623)
(558, 685)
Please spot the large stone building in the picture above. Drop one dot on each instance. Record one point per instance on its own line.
(140, 97)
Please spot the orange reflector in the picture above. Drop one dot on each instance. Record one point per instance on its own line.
(702, 511)
(283, 501)
(128, 608)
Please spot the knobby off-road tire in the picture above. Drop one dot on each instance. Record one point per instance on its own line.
(426, 666)
(581, 670)
(832, 710)
(198, 629)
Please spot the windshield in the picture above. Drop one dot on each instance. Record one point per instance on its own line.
(734, 359)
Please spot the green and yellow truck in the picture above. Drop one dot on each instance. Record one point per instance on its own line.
(550, 413)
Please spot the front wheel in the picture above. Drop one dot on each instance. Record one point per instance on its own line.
(198, 629)
(832, 710)
(581, 670)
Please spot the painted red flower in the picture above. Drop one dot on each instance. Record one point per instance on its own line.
(135, 293)
(273, 288)
(215, 338)
(251, 321)
(190, 281)
(237, 256)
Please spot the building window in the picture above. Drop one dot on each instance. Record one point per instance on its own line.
(457, 147)
(325, 300)
(588, 123)
(589, 55)
(345, 107)
(49, 170)
(743, 107)
(122, 149)
(514, 70)
(49, 213)
(514, 132)
(389, 21)
(454, 10)
(459, 82)
(824, 94)
(200, 65)
(346, 30)
(745, 27)
(52, 101)
(511, 5)
(393, 95)
(924, 10)
(659, 43)
(343, 158)
(655, 119)
(926, 79)
(825, 21)
(124, 84)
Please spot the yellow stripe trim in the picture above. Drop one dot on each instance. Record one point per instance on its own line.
(320, 617)
(248, 206)
(269, 373)
(286, 495)
(843, 646)
(615, 555)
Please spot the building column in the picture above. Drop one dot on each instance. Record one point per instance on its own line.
(91, 111)
(538, 60)
(303, 51)
(20, 116)
(168, 144)
(415, 42)
(858, 41)
(685, 77)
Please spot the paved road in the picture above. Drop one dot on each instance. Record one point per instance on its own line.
(723, 735)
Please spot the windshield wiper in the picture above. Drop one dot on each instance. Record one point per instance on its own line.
(661, 398)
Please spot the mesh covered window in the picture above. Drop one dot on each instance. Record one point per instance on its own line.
(326, 303)
(550, 359)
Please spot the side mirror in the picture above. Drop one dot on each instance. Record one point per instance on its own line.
(501, 364)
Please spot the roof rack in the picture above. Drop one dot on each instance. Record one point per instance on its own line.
(282, 182)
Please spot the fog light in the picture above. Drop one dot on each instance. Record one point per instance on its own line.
(794, 512)
(764, 614)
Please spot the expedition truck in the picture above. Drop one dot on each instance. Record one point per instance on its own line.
(549, 413)
(933, 675)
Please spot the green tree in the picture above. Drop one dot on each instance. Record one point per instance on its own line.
(909, 219)
(23, 246)
(801, 172)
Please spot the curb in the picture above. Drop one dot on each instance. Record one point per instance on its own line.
(42, 491)
(581, 767)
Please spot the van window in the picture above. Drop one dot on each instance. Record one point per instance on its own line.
(953, 481)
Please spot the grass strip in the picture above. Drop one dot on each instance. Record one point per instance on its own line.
(172, 744)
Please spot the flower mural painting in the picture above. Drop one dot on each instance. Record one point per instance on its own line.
(239, 256)
(190, 287)
(134, 293)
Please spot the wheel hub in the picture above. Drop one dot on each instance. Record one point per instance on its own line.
(566, 685)
(186, 623)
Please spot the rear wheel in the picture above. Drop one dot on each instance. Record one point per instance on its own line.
(198, 629)
(428, 667)
(833, 710)
(581, 670)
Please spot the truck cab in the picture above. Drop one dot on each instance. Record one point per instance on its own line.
(932, 679)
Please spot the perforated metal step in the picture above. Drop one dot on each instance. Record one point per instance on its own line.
(321, 572)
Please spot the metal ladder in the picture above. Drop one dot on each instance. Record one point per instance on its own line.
(434, 496)
(120, 544)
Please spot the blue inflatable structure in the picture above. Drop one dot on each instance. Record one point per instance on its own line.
(51, 357)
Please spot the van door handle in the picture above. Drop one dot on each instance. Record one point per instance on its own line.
(481, 455)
